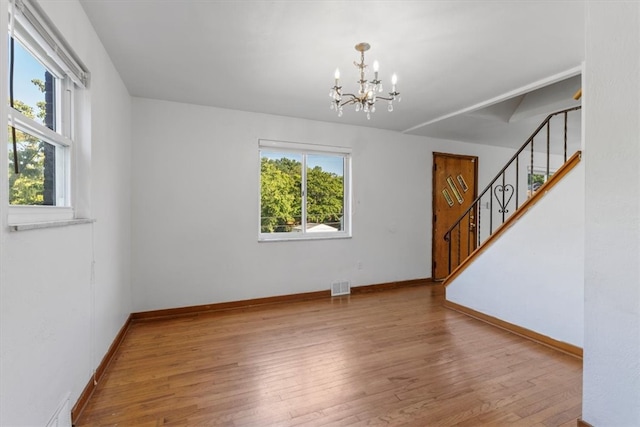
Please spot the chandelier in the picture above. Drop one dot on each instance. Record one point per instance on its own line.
(368, 91)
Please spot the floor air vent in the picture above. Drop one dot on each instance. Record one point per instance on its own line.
(340, 288)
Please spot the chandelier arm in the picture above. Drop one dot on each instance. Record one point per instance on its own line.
(350, 101)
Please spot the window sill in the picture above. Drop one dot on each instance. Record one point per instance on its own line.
(306, 237)
(49, 224)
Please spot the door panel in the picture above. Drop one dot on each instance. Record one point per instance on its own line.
(454, 189)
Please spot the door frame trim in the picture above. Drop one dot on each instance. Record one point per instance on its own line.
(433, 199)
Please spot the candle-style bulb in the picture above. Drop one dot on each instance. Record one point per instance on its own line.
(376, 66)
(394, 79)
(337, 74)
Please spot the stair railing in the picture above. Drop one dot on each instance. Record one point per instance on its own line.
(510, 187)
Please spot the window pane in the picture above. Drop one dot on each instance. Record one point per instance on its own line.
(325, 193)
(33, 87)
(280, 192)
(36, 182)
(535, 180)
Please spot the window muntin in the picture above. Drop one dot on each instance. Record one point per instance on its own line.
(304, 193)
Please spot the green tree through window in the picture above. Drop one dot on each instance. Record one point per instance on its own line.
(325, 200)
(281, 195)
(28, 186)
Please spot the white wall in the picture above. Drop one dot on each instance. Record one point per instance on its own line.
(611, 392)
(56, 325)
(532, 276)
(195, 207)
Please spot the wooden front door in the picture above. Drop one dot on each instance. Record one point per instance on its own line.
(454, 189)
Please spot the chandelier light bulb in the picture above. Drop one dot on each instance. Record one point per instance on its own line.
(394, 79)
(376, 66)
(337, 74)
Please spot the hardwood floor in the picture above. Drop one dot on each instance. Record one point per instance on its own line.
(385, 358)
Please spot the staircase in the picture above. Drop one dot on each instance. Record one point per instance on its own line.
(548, 154)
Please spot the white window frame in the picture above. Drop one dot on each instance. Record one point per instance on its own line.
(32, 30)
(307, 149)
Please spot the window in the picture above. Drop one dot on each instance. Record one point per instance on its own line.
(536, 178)
(304, 191)
(43, 78)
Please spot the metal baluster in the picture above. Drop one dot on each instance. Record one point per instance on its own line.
(479, 207)
(469, 234)
(504, 207)
(449, 244)
(459, 235)
(491, 211)
(548, 147)
(517, 179)
(530, 180)
(565, 136)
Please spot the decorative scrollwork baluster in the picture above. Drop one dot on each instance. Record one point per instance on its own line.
(501, 192)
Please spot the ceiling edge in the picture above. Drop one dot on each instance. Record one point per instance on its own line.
(516, 92)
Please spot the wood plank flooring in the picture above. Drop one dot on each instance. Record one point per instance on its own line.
(384, 358)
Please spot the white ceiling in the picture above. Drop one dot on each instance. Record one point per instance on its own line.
(279, 57)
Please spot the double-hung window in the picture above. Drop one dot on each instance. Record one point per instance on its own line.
(43, 77)
(304, 191)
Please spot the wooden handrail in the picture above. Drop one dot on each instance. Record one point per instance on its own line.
(578, 95)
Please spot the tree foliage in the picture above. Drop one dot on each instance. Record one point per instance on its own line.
(26, 187)
(281, 199)
(536, 178)
(324, 196)
(277, 196)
